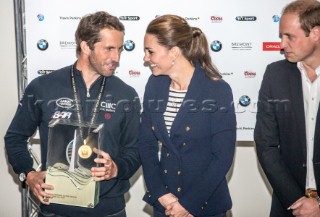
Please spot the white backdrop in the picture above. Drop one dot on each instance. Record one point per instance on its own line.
(246, 30)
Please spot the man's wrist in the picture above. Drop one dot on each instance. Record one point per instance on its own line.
(23, 175)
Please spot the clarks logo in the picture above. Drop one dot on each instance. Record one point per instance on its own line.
(134, 73)
(216, 19)
(249, 74)
(65, 103)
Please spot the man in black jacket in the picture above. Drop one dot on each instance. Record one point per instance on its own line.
(87, 91)
(287, 132)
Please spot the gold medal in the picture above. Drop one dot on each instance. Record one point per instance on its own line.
(84, 150)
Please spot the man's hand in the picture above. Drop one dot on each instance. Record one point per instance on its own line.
(108, 170)
(35, 181)
(306, 207)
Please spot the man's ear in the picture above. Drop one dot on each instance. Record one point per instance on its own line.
(315, 33)
(85, 48)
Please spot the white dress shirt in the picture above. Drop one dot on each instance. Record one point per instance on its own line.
(311, 99)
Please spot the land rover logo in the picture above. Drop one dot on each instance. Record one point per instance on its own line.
(65, 103)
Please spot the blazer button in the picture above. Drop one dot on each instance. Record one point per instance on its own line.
(165, 171)
(304, 165)
(152, 128)
(179, 172)
(184, 144)
(168, 154)
(178, 189)
(187, 129)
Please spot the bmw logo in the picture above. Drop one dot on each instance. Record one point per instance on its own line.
(244, 100)
(40, 17)
(42, 44)
(275, 18)
(216, 46)
(129, 45)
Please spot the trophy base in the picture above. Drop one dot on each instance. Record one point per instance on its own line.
(70, 189)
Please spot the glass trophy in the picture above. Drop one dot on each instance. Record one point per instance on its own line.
(70, 158)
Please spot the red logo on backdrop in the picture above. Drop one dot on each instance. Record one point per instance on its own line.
(134, 73)
(216, 19)
(250, 74)
(271, 46)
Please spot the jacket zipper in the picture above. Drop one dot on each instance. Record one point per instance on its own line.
(88, 92)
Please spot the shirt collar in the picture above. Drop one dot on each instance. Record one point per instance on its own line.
(302, 70)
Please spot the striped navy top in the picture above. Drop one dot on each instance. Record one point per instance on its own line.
(174, 103)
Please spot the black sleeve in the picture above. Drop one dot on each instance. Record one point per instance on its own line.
(23, 126)
(267, 138)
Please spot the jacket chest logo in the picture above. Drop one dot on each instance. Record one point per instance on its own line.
(66, 103)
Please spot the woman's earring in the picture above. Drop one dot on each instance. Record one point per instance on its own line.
(172, 63)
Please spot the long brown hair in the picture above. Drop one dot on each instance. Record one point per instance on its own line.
(172, 30)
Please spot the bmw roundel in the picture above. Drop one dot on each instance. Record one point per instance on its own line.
(129, 45)
(244, 100)
(40, 17)
(275, 18)
(216, 46)
(42, 44)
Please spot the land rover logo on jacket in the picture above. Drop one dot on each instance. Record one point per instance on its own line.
(65, 103)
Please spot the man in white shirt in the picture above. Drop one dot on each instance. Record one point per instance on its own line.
(287, 132)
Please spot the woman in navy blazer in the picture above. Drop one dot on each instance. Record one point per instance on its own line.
(186, 146)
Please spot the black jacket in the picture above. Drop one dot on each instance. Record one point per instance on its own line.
(280, 135)
(119, 111)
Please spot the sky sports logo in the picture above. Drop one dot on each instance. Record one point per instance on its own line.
(246, 18)
(271, 46)
(129, 18)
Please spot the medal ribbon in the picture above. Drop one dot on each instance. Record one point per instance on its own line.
(78, 107)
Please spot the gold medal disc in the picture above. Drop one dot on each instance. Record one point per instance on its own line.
(84, 151)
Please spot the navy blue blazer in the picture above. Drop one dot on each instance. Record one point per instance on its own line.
(199, 152)
(280, 135)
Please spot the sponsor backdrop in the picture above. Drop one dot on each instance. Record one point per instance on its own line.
(242, 35)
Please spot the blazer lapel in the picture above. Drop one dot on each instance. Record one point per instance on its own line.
(191, 100)
(161, 93)
(297, 104)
